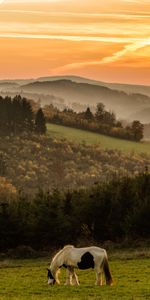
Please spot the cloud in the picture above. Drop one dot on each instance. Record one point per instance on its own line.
(66, 37)
(132, 1)
(128, 49)
(30, 1)
(136, 1)
(86, 16)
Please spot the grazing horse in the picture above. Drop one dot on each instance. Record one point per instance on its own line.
(81, 258)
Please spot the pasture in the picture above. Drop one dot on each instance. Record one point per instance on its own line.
(27, 279)
(106, 142)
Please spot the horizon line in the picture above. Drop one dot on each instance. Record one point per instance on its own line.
(73, 75)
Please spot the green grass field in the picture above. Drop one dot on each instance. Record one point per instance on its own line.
(27, 279)
(79, 136)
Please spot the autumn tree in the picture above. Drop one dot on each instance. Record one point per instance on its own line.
(99, 115)
(40, 122)
(137, 130)
(27, 115)
(88, 114)
(105, 117)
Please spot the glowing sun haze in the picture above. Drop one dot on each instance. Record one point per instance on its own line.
(104, 40)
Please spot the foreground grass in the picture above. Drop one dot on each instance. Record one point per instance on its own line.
(27, 279)
(106, 142)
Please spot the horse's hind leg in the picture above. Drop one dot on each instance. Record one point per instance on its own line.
(99, 278)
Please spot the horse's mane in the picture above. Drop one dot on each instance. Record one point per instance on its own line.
(68, 246)
(60, 252)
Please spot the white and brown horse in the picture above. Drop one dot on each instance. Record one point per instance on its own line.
(81, 258)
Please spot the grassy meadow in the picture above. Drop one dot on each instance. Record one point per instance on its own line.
(27, 279)
(106, 142)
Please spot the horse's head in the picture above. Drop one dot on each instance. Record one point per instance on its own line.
(51, 279)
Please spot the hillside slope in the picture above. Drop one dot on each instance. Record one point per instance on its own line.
(119, 102)
(48, 162)
(105, 142)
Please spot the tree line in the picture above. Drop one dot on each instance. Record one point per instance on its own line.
(113, 211)
(102, 121)
(16, 116)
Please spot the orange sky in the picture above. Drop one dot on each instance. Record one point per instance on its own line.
(104, 40)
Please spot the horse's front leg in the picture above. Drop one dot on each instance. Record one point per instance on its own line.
(75, 280)
(68, 277)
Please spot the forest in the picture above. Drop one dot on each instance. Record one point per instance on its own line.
(114, 211)
(16, 116)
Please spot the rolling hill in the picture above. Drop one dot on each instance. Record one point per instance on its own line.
(87, 94)
(127, 101)
(128, 88)
(67, 158)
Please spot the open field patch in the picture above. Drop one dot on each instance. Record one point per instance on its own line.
(27, 279)
(106, 142)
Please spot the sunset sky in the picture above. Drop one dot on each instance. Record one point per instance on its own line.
(103, 40)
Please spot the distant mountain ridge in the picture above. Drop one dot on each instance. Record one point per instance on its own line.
(128, 88)
(125, 100)
(123, 104)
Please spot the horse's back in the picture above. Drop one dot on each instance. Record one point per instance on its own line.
(94, 250)
(73, 256)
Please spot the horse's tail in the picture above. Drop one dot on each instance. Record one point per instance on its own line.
(107, 272)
